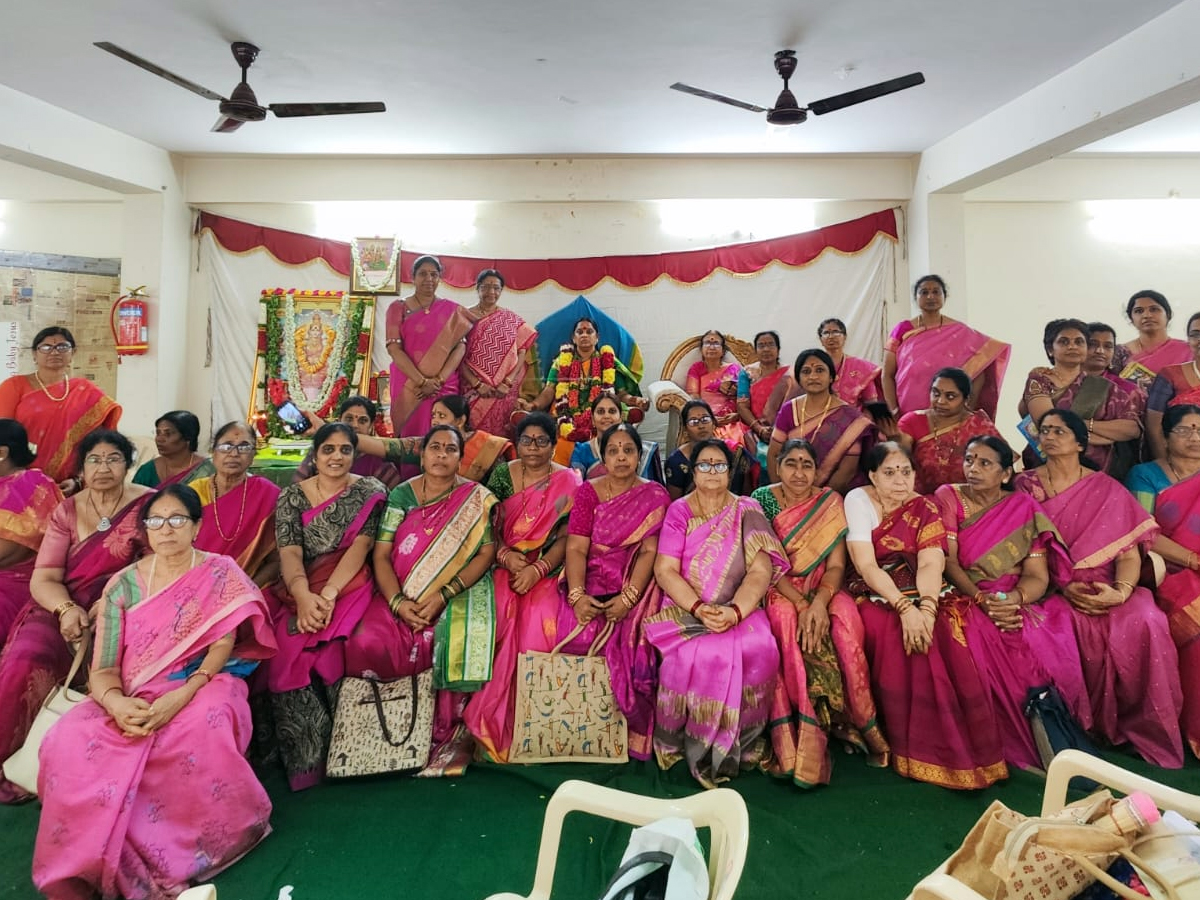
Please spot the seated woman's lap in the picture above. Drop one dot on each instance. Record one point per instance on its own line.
(384, 647)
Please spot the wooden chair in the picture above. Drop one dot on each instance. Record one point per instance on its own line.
(669, 394)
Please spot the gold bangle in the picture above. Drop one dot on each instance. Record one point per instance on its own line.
(575, 595)
(207, 675)
(104, 696)
(903, 605)
(1131, 587)
(63, 607)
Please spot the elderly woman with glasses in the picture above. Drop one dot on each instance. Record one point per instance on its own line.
(717, 557)
(699, 424)
(325, 530)
(1169, 489)
(858, 380)
(1130, 664)
(56, 411)
(239, 508)
(90, 536)
(145, 787)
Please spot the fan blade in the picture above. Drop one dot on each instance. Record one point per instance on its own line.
(292, 110)
(225, 124)
(850, 98)
(720, 98)
(158, 70)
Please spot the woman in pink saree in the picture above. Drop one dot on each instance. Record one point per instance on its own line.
(715, 381)
(145, 788)
(1130, 665)
(824, 688)
(1153, 349)
(90, 536)
(425, 335)
(1169, 489)
(27, 498)
(499, 351)
(717, 556)
(612, 535)
(536, 496)
(324, 529)
(1000, 550)
(936, 708)
(858, 380)
(239, 508)
(919, 347)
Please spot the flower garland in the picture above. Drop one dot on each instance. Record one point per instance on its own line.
(361, 276)
(579, 383)
(291, 367)
(271, 344)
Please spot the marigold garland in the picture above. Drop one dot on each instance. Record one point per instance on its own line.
(578, 384)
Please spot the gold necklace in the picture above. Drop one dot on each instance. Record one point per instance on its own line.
(705, 516)
(529, 519)
(105, 522)
(46, 391)
(426, 503)
(1054, 487)
(824, 412)
(228, 538)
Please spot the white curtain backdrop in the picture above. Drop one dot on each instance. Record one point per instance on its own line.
(789, 300)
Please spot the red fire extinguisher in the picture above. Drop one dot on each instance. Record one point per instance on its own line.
(129, 324)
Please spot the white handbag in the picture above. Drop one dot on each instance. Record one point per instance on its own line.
(22, 767)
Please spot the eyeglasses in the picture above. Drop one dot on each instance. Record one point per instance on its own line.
(709, 468)
(1054, 431)
(330, 449)
(699, 420)
(1184, 431)
(154, 523)
(541, 441)
(55, 348)
(110, 461)
(711, 343)
(829, 334)
(226, 447)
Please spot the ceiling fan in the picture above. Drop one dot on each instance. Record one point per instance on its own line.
(242, 106)
(787, 111)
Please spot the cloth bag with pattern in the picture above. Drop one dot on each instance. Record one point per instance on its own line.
(381, 726)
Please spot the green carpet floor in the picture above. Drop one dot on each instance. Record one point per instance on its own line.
(870, 834)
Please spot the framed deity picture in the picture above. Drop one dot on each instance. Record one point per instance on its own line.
(313, 350)
(374, 265)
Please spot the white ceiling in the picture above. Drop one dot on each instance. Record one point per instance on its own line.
(552, 77)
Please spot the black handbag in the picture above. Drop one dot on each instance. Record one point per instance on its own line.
(1054, 727)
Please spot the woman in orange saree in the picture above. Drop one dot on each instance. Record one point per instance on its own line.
(536, 496)
(425, 335)
(27, 498)
(824, 686)
(498, 356)
(56, 411)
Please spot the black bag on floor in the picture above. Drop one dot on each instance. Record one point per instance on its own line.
(1054, 727)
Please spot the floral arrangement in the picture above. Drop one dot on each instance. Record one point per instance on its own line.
(340, 355)
(579, 383)
(385, 273)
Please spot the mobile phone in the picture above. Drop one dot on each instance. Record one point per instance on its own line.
(292, 417)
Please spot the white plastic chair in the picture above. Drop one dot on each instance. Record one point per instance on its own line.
(722, 811)
(1065, 766)
(199, 892)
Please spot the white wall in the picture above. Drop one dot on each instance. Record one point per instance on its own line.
(62, 227)
(1028, 263)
